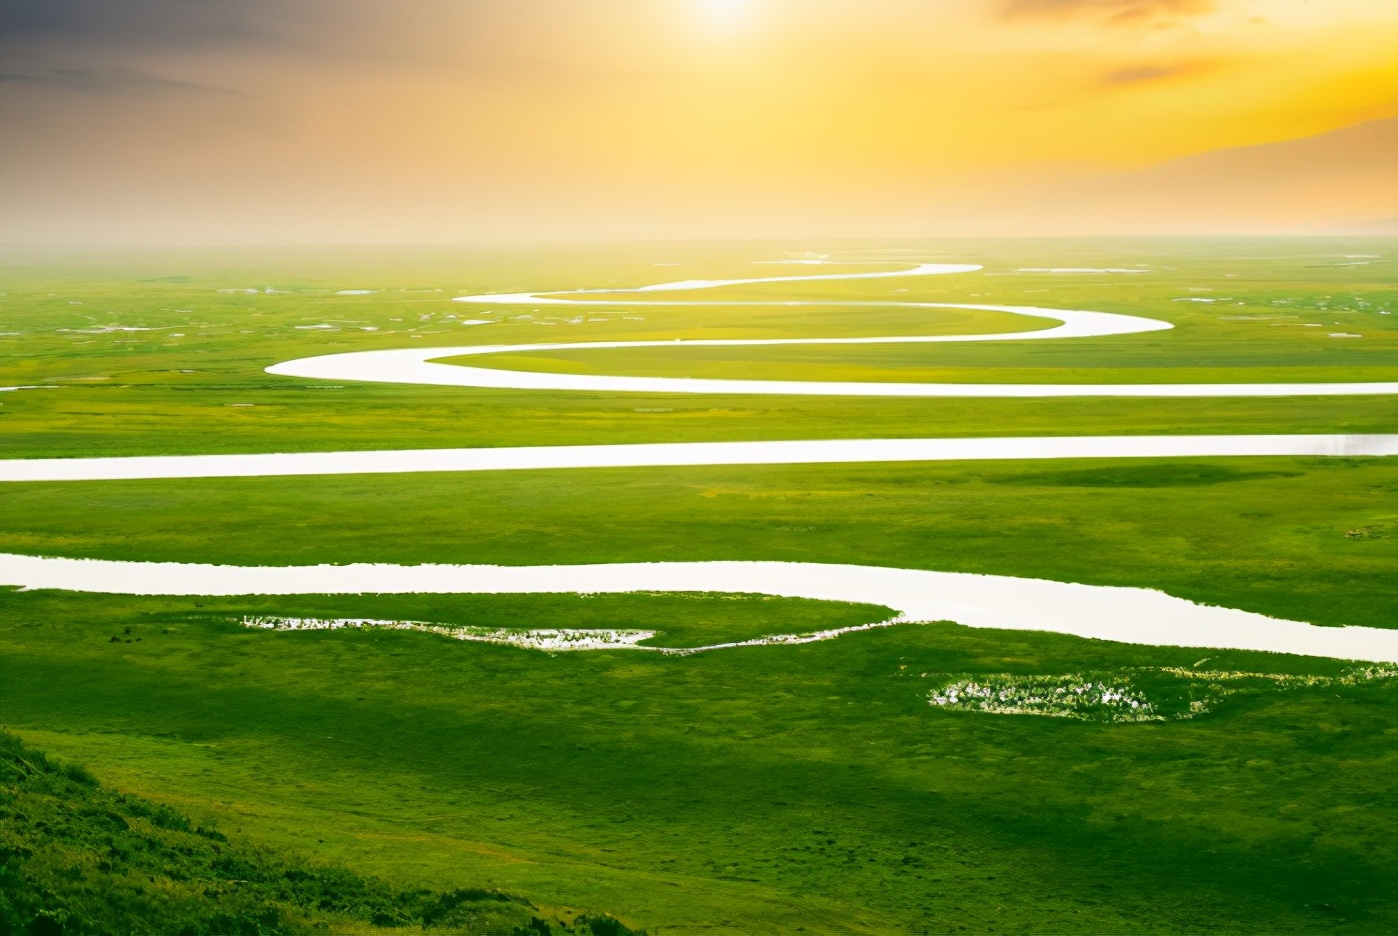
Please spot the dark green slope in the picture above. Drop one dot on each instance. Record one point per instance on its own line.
(78, 858)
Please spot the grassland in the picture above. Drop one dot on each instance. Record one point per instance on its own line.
(811, 786)
(150, 392)
(78, 858)
(1266, 535)
(771, 788)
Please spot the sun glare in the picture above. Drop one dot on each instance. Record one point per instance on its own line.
(723, 10)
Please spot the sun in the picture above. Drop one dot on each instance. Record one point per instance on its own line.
(723, 9)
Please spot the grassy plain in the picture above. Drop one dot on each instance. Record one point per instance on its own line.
(195, 382)
(764, 789)
(1267, 535)
(758, 790)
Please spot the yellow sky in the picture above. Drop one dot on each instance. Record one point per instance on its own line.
(437, 120)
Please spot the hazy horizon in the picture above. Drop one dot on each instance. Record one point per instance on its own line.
(157, 123)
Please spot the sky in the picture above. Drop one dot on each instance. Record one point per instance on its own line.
(180, 122)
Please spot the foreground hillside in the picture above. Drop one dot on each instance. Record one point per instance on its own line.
(76, 857)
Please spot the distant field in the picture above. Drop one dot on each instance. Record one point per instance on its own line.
(150, 392)
(768, 788)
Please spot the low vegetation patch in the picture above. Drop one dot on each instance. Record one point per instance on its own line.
(1137, 695)
(1379, 529)
(1071, 696)
(550, 640)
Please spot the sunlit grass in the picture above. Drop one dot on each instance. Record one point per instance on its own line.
(757, 789)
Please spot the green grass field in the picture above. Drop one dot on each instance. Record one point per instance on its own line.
(777, 788)
(80, 858)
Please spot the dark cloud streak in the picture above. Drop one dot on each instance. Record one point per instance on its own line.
(51, 35)
(121, 82)
(141, 24)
